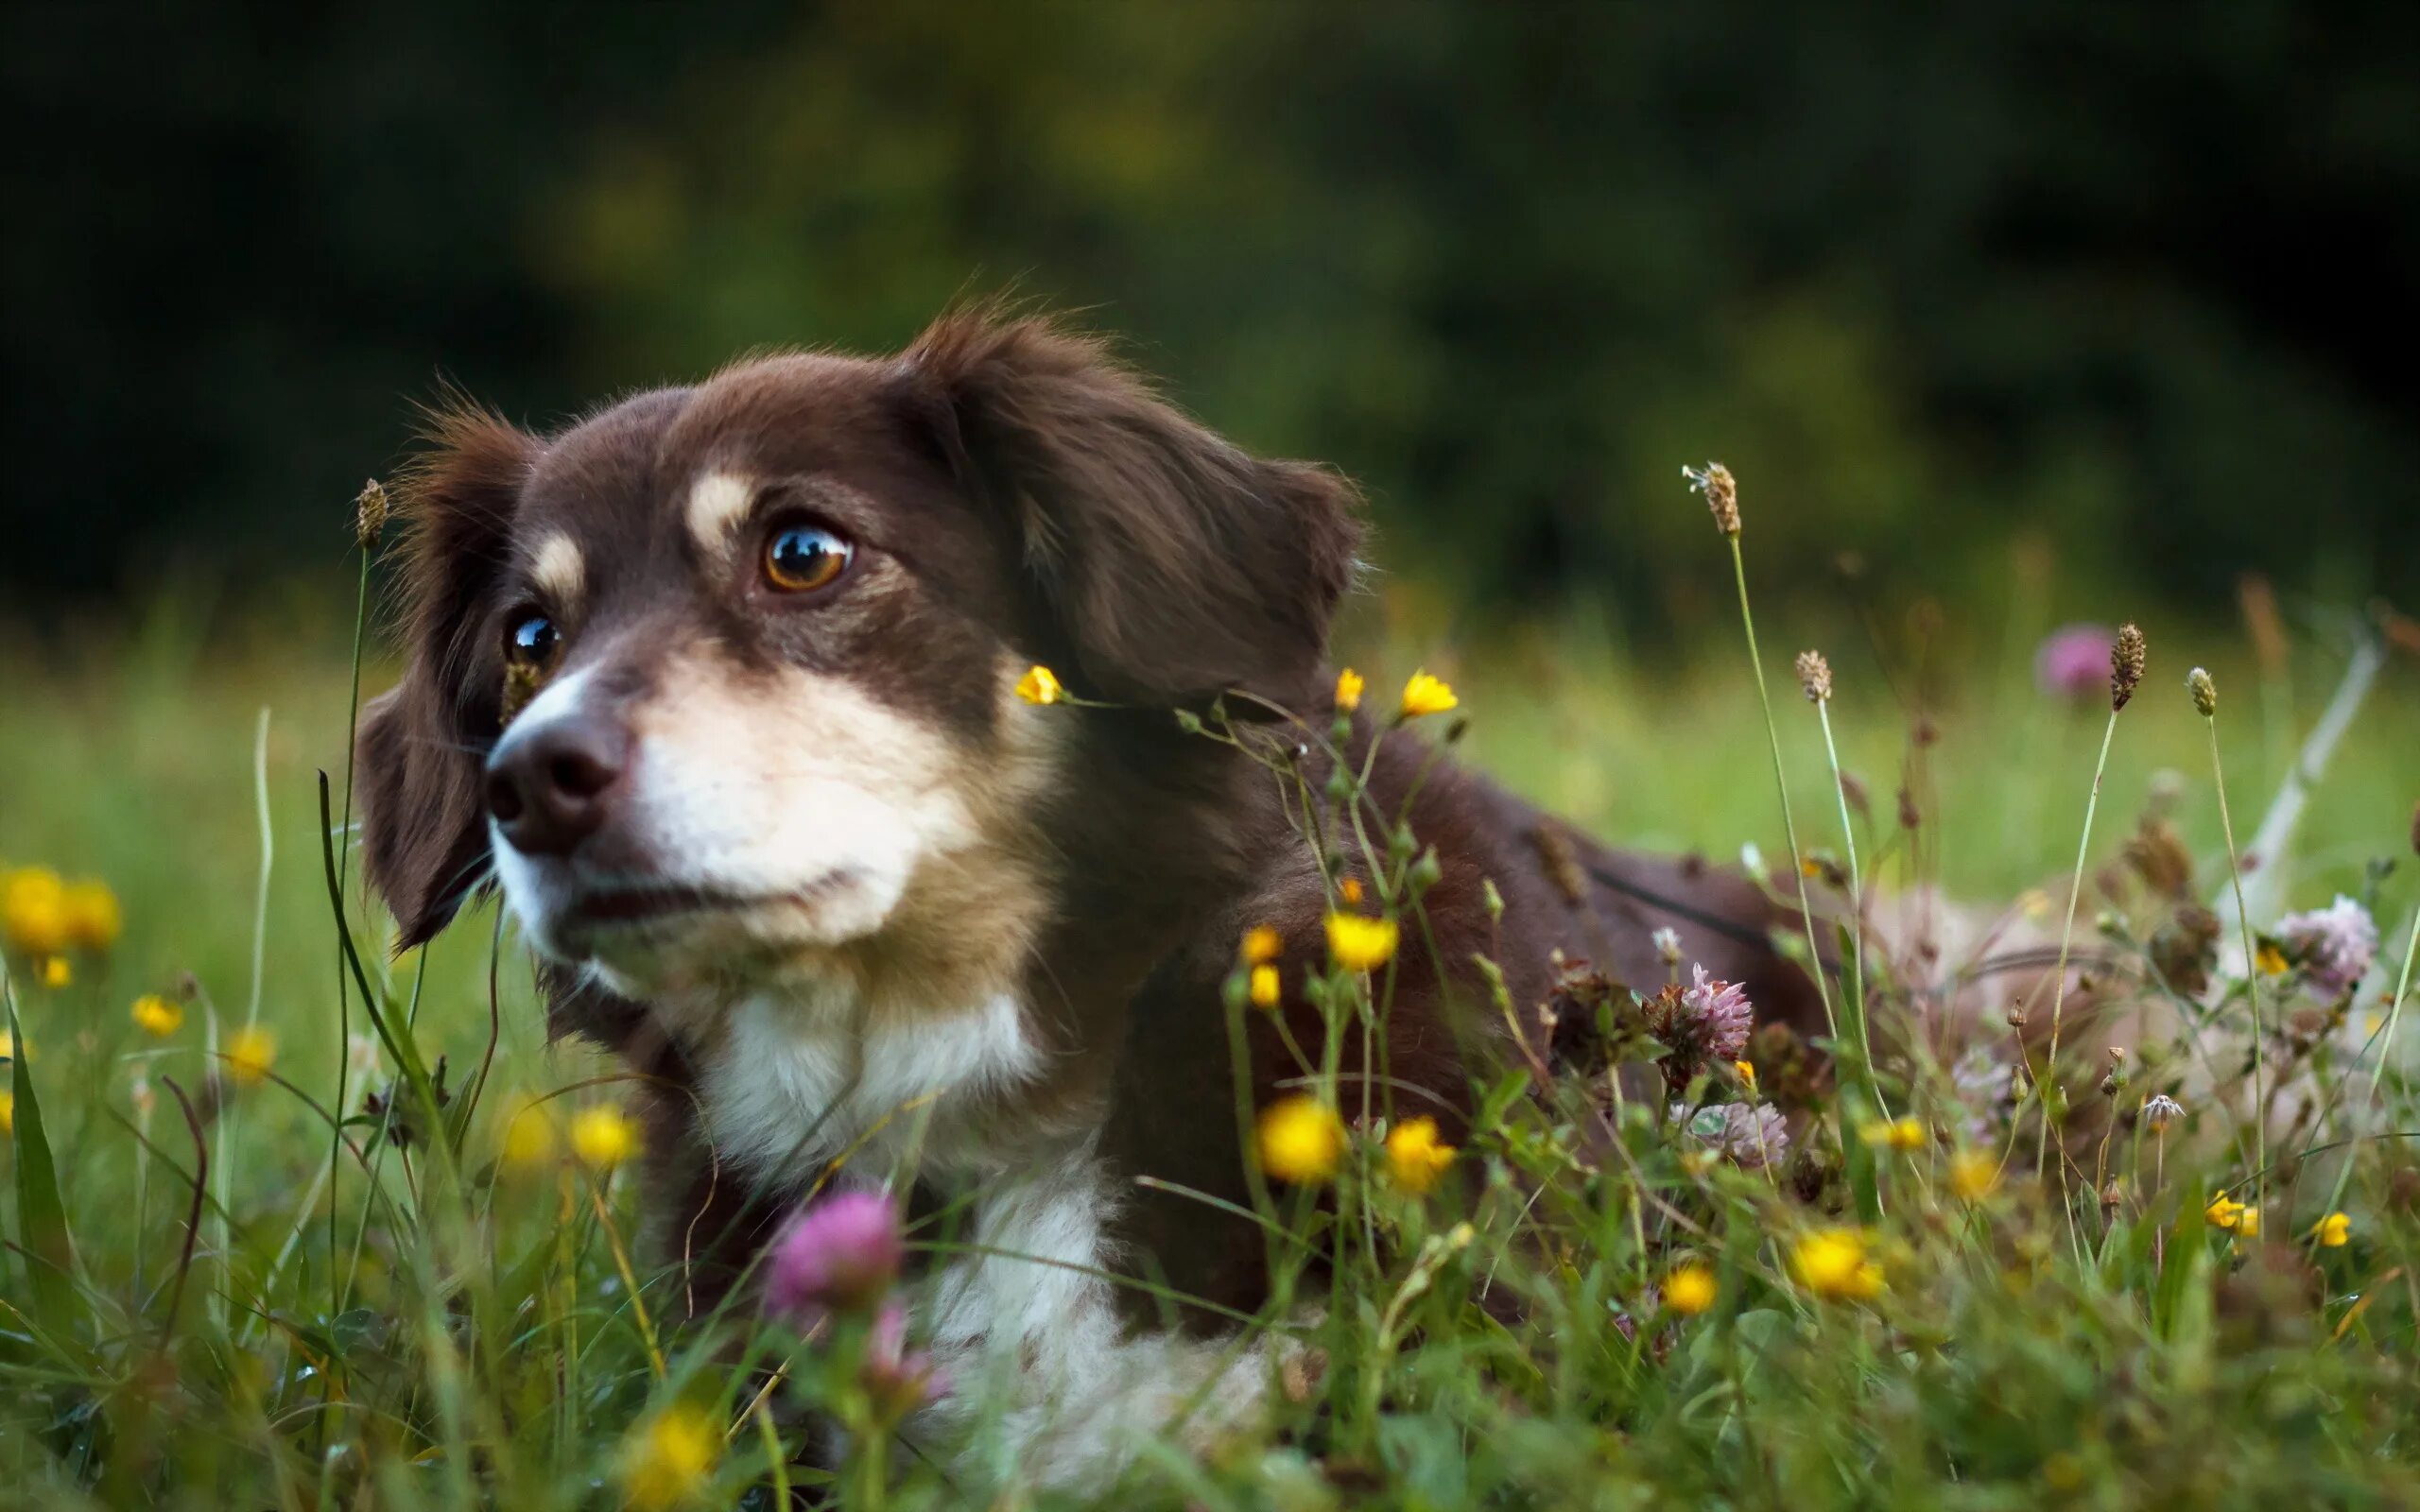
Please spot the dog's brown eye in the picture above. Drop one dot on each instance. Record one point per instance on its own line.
(531, 641)
(799, 557)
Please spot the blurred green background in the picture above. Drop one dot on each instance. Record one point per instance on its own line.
(1957, 289)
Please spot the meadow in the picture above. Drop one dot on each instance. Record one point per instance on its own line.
(211, 1298)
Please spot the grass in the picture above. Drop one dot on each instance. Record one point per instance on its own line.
(438, 1328)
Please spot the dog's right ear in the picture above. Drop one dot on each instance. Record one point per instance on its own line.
(422, 748)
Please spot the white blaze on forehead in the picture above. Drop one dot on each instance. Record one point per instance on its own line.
(718, 502)
(559, 571)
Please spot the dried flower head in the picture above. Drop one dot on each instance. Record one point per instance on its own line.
(2160, 1110)
(1814, 677)
(2206, 692)
(370, 514)
(839, 1256)
(2126, 656)
(1668, 945)
(1721, 493)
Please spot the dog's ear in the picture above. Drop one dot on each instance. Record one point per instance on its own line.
(423, 746)
(1177, 566)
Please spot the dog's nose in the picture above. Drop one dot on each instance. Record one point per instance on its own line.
(551, 789)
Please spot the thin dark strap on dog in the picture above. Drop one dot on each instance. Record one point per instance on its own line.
(1679, 909)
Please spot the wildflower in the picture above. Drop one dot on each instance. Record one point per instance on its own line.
(7, 1113)
(1750, 1135)
(1747, 1071)
(1266, 989)
(1040, 685)
(1360, 944)
(2335, 945)
(1424, 695)
(157, 1016)
(56, 973)
(604, 1138)
(2160, 1110)
(1348, 691)
(1722, 493)
(92, 918)
(33, 910)
(2248, 1223)
(2270, 960)
(10, 1050)
(1416, 1158)
(249, 1054)
(1814, 677)
(1832, 1263)
(1300, 1140)
(1261, 944)
(2225, 1211)
(2126, 655)
(669, 1459)
(2206, 693)
(1901, 1134)
(1973, 1176)
(1668, 945)
(840, 1255)
(529, 1140)
(1349, 889)
(1718, 1015)
(2070, 661)
(1689, 1289)
(370, 513)
(898, 1379)
(2333, 1230)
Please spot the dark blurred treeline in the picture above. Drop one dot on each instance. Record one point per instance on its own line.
(1937, 282)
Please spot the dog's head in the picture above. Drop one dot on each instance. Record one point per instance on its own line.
(723, 676)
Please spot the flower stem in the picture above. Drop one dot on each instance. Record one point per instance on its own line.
(2251, 969)
(2048, 1081)
(1853, 1000)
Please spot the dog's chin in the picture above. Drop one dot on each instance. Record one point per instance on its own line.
(656, 938)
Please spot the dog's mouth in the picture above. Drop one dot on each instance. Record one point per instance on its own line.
(641, 905)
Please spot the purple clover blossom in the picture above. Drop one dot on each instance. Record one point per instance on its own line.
(839, 1256)
(1720, 1012)
(2073, 662)
(898, 1379)
(1750, 1135)
(2334, 945)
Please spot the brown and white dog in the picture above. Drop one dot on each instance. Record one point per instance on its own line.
(719, 685)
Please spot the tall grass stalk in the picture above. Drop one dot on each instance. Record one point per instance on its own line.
(2046, 1087)
(2206, 699)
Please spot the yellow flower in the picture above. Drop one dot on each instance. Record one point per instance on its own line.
(33, 910)
(7, 1113)
(2333, 1230)
(8, 1050)
(56, 973)
(1832, 1262)
(669, 1459)
(1416, 1158)
(528, 1139)
(1300, 1140)
(157, 1016)
(2248, 1223)
(1349, 889)
(1691, 1289)
(1747, 1074)
(1040, 685)
(2225, 1211)
(604, 1138)
(1973, 1174)
(249, 1054)
(1265, 988)
(1424, 695)
(93, 919)
(1348, 691)
(2270, 960)
(1902, 1134)
(1261, 944)
(1360, 944)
